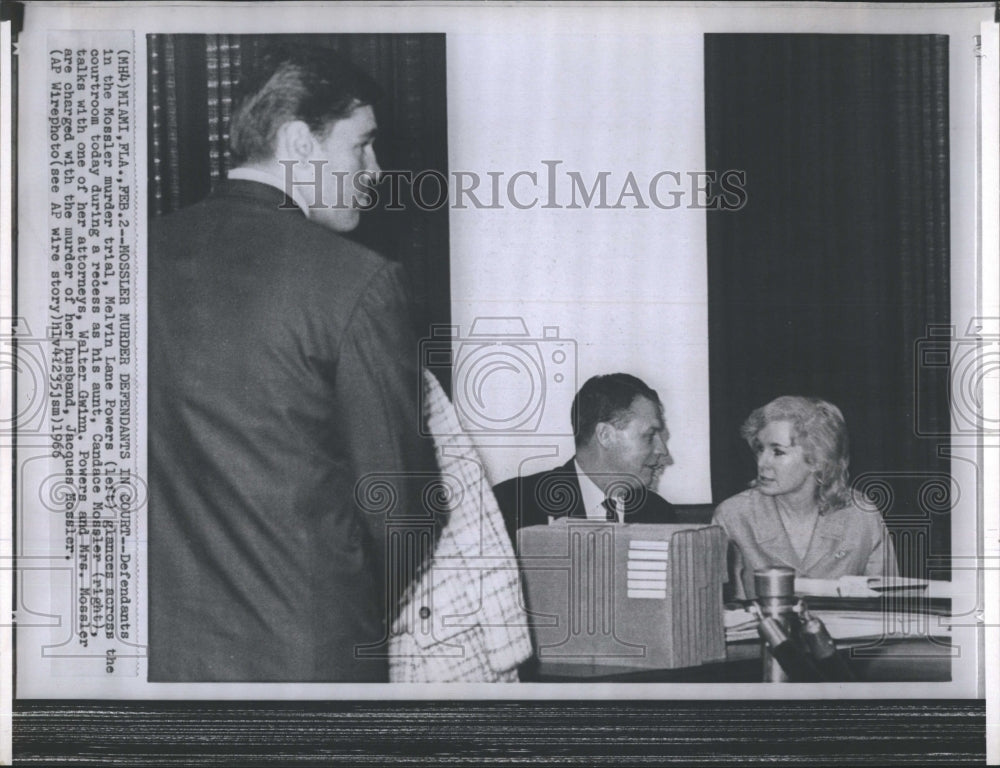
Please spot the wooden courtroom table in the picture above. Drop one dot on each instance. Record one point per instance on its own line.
(908, 641)
(898, 661)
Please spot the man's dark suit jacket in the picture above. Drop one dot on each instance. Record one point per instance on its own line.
(535, 499)
(282, 369)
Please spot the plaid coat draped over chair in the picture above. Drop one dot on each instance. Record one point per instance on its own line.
(463, 620)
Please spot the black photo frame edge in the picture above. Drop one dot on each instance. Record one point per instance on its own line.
(807, 732)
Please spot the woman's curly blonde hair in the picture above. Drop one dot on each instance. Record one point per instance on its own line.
(817, 426)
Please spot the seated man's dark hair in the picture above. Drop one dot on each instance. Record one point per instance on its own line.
(607, 399)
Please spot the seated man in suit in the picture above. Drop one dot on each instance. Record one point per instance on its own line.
(621, 448)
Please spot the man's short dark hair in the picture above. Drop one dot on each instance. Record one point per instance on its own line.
(310, 84)
(607, 399)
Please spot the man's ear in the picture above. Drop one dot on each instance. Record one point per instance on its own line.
(294, 141)
(605, 433)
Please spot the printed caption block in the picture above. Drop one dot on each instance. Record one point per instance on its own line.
(88, 482)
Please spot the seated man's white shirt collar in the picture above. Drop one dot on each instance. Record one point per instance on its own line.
(593, 497)
(272, 180)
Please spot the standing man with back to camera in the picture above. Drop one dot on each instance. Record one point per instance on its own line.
(282, 372)
(621, 448)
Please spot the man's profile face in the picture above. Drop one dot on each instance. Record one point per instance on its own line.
(638, 450)
(347, 150)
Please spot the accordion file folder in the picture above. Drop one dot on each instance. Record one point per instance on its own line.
(646, 596)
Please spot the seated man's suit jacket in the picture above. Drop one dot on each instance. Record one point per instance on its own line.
(539, 498)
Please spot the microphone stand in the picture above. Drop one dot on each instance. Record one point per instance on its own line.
(795, 645)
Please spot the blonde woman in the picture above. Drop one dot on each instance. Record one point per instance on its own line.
(799, 511)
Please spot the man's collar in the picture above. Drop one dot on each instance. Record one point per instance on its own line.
(591, 495)
(245, 173)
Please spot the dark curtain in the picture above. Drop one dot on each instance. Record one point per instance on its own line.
(830, 279)
(191, 84)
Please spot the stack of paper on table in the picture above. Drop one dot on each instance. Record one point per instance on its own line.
(859, 586)
(892, 607)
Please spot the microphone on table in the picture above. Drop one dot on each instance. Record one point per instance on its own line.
(822, 647)
(784, 660)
